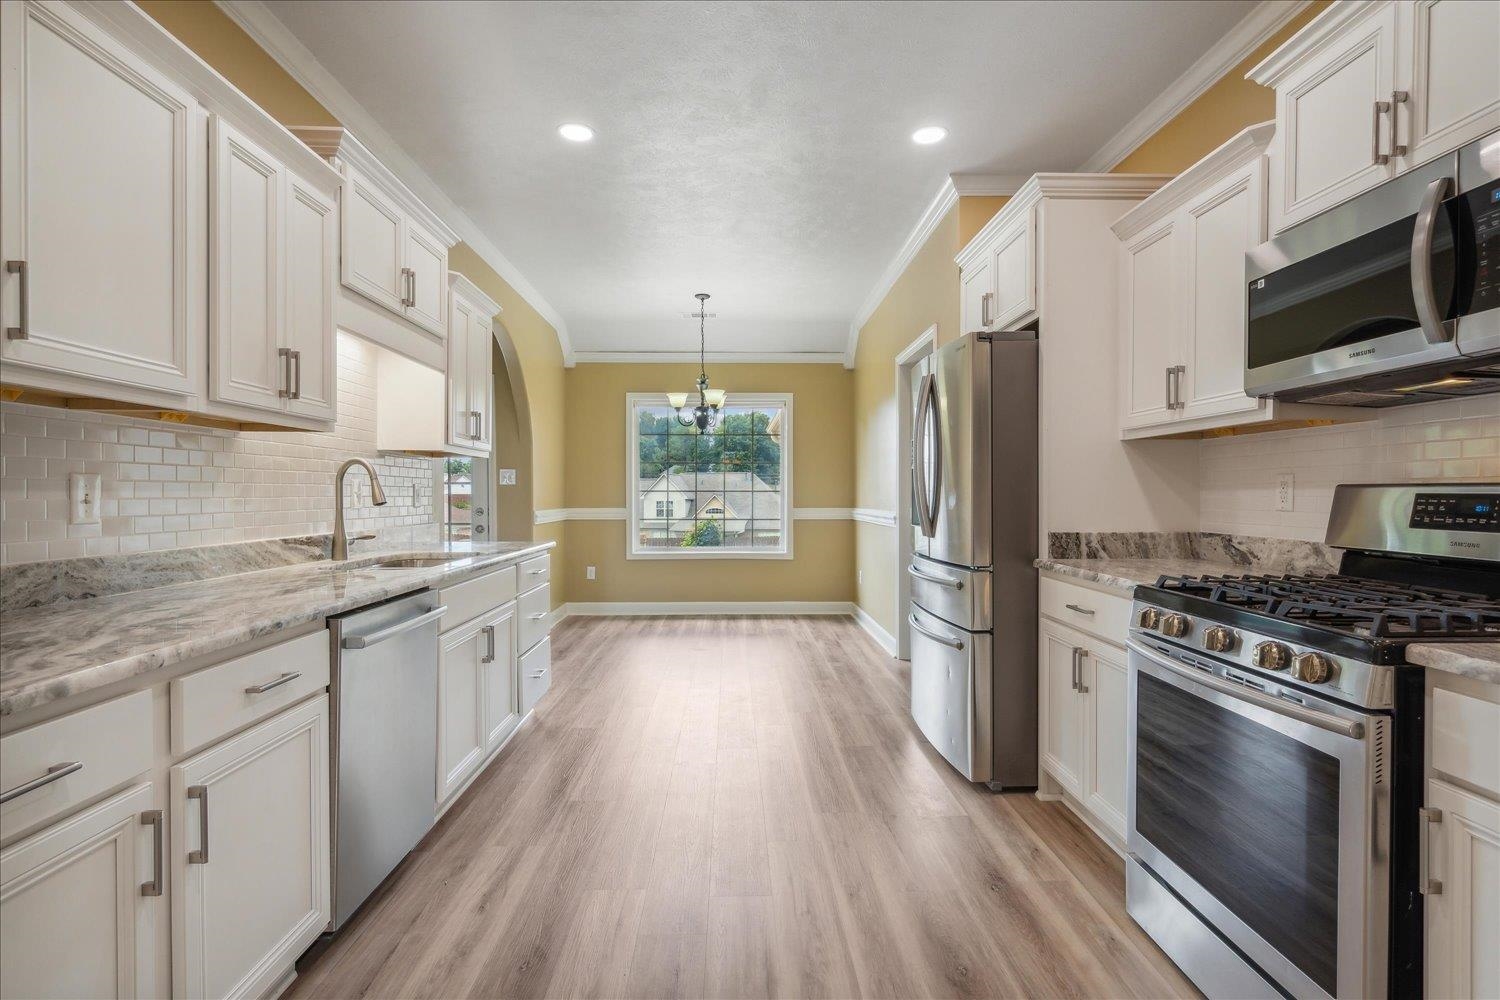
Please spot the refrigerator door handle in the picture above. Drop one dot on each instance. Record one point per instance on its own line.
(926, 491)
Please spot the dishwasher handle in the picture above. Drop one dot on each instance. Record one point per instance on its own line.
(391, 631)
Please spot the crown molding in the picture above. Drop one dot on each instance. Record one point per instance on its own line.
(986, 185)
(1250, 143)
(1231, 50)
(1319, 32)
(335, 141)
(464, 285)
(714, 357)
(281, 45)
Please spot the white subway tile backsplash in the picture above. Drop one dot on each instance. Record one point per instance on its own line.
(169, 488)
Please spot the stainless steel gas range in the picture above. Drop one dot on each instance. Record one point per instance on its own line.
(1275, 745)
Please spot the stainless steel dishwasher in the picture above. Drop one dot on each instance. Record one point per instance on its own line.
(384, 740)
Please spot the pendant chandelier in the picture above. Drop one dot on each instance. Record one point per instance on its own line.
(704, 416)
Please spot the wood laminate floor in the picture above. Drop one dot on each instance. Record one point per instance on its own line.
(740, 807)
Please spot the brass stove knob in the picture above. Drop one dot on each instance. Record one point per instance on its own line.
(1271, 656)
(1174, 626)
(1218, 639)
(1148, 618)
(1314, 668)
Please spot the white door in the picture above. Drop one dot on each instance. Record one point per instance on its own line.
(1061, 707)
(1152, 317)
(481, 390)
(76, 916)
(374, 244)
(1333, 138)
(104, 178)
(427, 261)
(1218, 227)
(1463, 920)
(461, 730)
(1015, 283)
(977, 296)
(310, 262)
(1106, 680)
(245, 311)
(498, 661)
(460, 413)
(250, 868)
(1454, 75)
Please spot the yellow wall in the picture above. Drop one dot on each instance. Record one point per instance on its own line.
(822, 567)
(973, 212)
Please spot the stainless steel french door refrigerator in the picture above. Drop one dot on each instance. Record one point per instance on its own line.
(974, 521)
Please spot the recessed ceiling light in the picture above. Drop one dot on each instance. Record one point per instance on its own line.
(929, 134)
(574, 132)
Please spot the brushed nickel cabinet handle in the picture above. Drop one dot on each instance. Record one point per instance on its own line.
(297, 384)
(24, 330)
(1073, 680)
(1080, 610)
(1378, 158)
(536, 572)
(413, 280)
(984, 308)
(153, 819)
(489, 656)
(1082, 687)
(285, 354)
(538, 616)
(54, 773)
(200, 856)
(286, 678)
(1428, 885)
(1167, 389)
(1398, 98)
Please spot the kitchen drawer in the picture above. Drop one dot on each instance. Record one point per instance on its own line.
(532, 608)
(535, 572)
(472, 598)
(215, 702)
(536, 674)
(101, 747)
(1466, 739)
(1071, 604)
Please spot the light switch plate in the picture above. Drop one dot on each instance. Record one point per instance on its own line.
(589, 572)
(507, 477)
(83, 496)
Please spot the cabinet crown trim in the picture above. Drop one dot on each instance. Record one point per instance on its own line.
(336, 143)
(471, 293)
(1062, 186)
(1319, 32)
(1241, 149)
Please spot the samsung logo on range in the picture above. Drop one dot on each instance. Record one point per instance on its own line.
(1462, 545)
(1360, 354)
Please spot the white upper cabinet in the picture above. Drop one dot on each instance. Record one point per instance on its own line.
(310, 253)
(470, 370)
(998, 272)
(1150, 318)
(977, 293)
(103, 171)
(427, 279)
(374, 243)
(1369, 89)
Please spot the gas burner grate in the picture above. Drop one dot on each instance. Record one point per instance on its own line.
(1372, 608)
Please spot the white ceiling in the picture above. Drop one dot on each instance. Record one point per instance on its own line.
(757, 151)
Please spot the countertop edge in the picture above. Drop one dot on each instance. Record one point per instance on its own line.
(30, 695)
(1119, 584)
(1477, 660)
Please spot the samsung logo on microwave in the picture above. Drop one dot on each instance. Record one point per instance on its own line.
(1361, 354)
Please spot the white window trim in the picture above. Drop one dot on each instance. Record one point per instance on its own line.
(633, 481)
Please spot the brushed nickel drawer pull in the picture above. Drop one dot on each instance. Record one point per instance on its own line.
(54, 773)
(153, 819)
(24, 330)
(286, 678)
(200, 856)
(538, 616)
(1080, 610)
(1426, 884)
(489, 656)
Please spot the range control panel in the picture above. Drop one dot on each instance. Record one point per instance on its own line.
(1456, 512)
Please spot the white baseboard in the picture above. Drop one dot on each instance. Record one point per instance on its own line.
(555, 616)
(877, 632)
(690, 608)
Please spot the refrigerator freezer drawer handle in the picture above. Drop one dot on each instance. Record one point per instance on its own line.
(944, 581)
(935, 636)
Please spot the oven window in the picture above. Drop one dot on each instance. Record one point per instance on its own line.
(1351, 293)
(1250, 814)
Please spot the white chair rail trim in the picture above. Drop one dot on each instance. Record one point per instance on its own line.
(869, 515)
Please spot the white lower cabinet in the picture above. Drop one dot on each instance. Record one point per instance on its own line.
(498, 681)
(1463, 918)
(250, 855)
(1106, 689)
(461, 731)
(80, 902)
(1061, 707)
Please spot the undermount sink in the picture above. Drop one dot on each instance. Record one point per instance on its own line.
(418, 562)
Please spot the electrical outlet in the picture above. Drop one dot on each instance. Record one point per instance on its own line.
(1286, 493)
(507, 477)
(589, 572)
(83, 492)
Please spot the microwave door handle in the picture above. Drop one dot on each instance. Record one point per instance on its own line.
(1422, 291)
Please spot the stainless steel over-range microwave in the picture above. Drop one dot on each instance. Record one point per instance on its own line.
(1392, 297)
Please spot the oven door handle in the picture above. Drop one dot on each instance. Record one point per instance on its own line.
(1331, 723)
(1429, 313)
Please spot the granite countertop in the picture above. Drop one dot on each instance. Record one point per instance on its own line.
(64, 649)
(1479, 660)
(1124, 575)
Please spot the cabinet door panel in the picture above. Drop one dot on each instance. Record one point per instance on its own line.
(428, 260)
(481, 391)
(460, 423)
(311, 257)
(245, 314)
(374, 238)
(1218, 228)
(1015, 283)
(1061, 710)
(501, 700)
(1463, 921)
(73, 920)
(103, 174)
(1107, 681)
(1151, 315)
(1455, 85)
(461, 735)
(244, 913)
(977, 296)
(1328, 130)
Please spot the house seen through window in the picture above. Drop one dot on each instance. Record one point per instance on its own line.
(724, 492)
